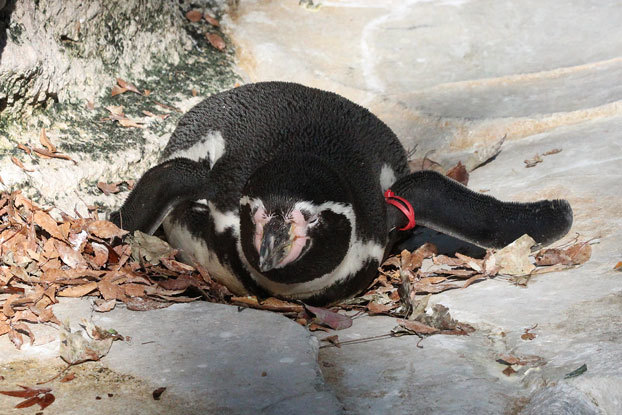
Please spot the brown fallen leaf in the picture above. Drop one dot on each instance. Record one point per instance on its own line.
(26, 392)
(45, 142)
(216, 41)
(334, 339)
(128, 86)
(618, 266)
(24, 148)
(90, 105)
(117, 90)
(533, 161)
(19, 164)
(116, 111)
(68, 377)
(575, 254)
(329, 318)
(70, 257)
(103, 306)
(508, 371)
(41, 397)
(272, 304)
(47, 223)
(528, 335)
(553, 151)
(105, 229)
(78, 290)
(144, 304)
(375, 308)
(459, 174)
(211, 20)
(127, 122)
(48, 154)
(76, 348)
(194, 15)
(417, 327)
(108, 188)
(579, 253)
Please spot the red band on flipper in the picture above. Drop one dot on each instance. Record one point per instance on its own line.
(403, 205)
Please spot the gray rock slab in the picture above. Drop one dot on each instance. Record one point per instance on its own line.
(212, 359)
(445, 75)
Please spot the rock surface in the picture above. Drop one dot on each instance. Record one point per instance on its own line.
(211, 358)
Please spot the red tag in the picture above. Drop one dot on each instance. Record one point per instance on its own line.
(403, 205)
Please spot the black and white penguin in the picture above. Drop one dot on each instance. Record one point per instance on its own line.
(279, 189)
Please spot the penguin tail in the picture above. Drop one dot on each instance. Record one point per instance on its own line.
(447, 206)
(158, 191)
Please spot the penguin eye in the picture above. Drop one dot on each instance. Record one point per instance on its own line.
(313, 220)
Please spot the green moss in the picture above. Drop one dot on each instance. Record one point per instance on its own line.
(15, 33)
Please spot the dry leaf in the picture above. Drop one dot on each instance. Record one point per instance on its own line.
(528, 336)
(459, 174)
(70, 257)
(211, 20)
(76, 348)
(45, 222)
(194, 15)
(126, 122)
(553, 151)
(579, 253)
(24, 148)
(514, 258)
(45, 142)
(105, 229)
(108, 188)
(417, 327)
(216, 41)
(127, 86)
(117, 90)
(532, 162)
(48, 154)
(78, 290)
(68, 378)
(376, 308)
(329, 318)
(116, 110)
(272, 304)
(102, 306)
(19, 164)
(508, 371)
(618, 266)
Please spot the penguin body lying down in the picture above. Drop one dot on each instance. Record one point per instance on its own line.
(277, 189)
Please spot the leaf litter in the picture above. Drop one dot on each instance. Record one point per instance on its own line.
(42, 258)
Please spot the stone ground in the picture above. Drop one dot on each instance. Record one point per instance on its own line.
(449, 76)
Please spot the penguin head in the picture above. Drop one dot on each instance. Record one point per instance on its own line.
(296, 219)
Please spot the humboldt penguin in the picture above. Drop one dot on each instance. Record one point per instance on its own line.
(279, 189)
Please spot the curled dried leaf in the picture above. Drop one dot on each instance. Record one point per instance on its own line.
(194, 15)
(105, 229)
(216, 41)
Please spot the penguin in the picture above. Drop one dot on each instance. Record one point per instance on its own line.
(283, 190)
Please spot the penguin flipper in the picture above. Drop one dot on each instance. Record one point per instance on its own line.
(447, 206)
(158, 191)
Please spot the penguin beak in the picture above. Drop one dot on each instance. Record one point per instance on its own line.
(275, 245)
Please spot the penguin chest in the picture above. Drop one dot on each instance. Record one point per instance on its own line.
(186, 230)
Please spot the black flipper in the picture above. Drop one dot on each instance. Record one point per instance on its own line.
(447, 206)
(158, 191)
